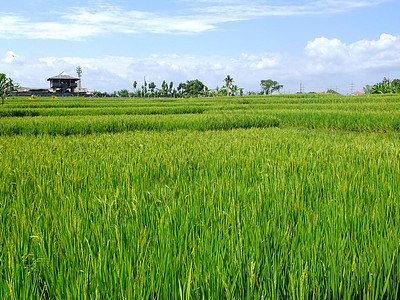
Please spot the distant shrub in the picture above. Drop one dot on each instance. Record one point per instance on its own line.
(385, 87)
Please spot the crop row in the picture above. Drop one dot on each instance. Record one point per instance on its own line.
(90, 111)
(211, 120)
(112, 124)
(185, 108)
(86, 116)
(302, 99)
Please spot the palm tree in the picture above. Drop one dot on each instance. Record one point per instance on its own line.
(228, 81)
(171, 85)
(134, 86)
(144, 87)
(6, 87)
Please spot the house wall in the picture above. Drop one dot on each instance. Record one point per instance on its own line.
(46, 94)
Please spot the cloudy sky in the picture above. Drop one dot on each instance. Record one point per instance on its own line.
(339, 44)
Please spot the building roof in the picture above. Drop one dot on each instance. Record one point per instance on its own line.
(26, 89)
(357, 94)
(63, 75)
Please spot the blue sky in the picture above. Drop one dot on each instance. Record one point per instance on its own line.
(321, 44)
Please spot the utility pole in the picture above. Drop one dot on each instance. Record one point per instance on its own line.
(144, 86)
(351, 87)
(301, 88)
(79, 71)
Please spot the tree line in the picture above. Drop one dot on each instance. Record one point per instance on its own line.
(191, 88)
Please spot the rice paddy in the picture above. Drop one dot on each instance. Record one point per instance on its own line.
(291, 196)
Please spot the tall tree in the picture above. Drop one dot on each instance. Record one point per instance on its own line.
(171, 85)
(164, 88)
(228, 82)
(395, 85)
(194, 88)
(152, 87)
(6, 87)
(134, 85)
(181, 88)
(269, 86)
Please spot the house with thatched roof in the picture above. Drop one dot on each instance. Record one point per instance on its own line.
(63, 83)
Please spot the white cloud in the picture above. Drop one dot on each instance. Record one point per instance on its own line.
(361, 56)
(81, 22)
(13, 26)
(254, 9)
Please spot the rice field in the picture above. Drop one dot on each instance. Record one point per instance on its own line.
(276, 197)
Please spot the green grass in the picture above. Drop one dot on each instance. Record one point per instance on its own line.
(176, 210)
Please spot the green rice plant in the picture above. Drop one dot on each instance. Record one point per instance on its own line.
(107, 123)
(365, 113)
(89, 111)
(244, 213)
(287, 196)
(350, 121)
